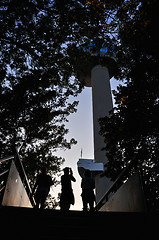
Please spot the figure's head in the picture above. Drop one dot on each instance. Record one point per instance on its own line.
(43, 170)
(87, 173)
(66, 171)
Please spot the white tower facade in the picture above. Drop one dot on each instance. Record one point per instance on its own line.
(97, 75)
(102, 104)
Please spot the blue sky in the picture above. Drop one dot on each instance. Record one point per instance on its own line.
(80, 127)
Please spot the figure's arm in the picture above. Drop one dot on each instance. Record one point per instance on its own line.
(71, 176)
(73, 179)
(51, 182)
(82, 183)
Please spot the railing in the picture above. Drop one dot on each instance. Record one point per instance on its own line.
(4, 173)
(115, 185)
(22, 174)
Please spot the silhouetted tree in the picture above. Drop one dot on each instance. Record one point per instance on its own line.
(132, 128)
(38, 41)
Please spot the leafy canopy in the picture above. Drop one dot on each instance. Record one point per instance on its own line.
(132, 128)
(38, 42)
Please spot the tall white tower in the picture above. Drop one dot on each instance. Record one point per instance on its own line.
(97, 75)
(102, 104)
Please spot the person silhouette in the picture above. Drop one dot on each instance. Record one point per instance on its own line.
(43, 183)
(87, 185)
(67, 196)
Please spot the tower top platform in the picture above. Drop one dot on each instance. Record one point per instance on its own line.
(86, 63)
(84, 164)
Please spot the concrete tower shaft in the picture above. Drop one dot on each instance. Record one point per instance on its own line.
(96, 74)
(102, 104)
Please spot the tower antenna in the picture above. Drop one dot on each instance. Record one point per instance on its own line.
(81, 152)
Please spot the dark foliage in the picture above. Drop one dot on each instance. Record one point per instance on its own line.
(38, 43)
(132, 128)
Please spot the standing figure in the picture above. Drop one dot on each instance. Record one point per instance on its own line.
(88, 197)
(43, 183)
(67, 197)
